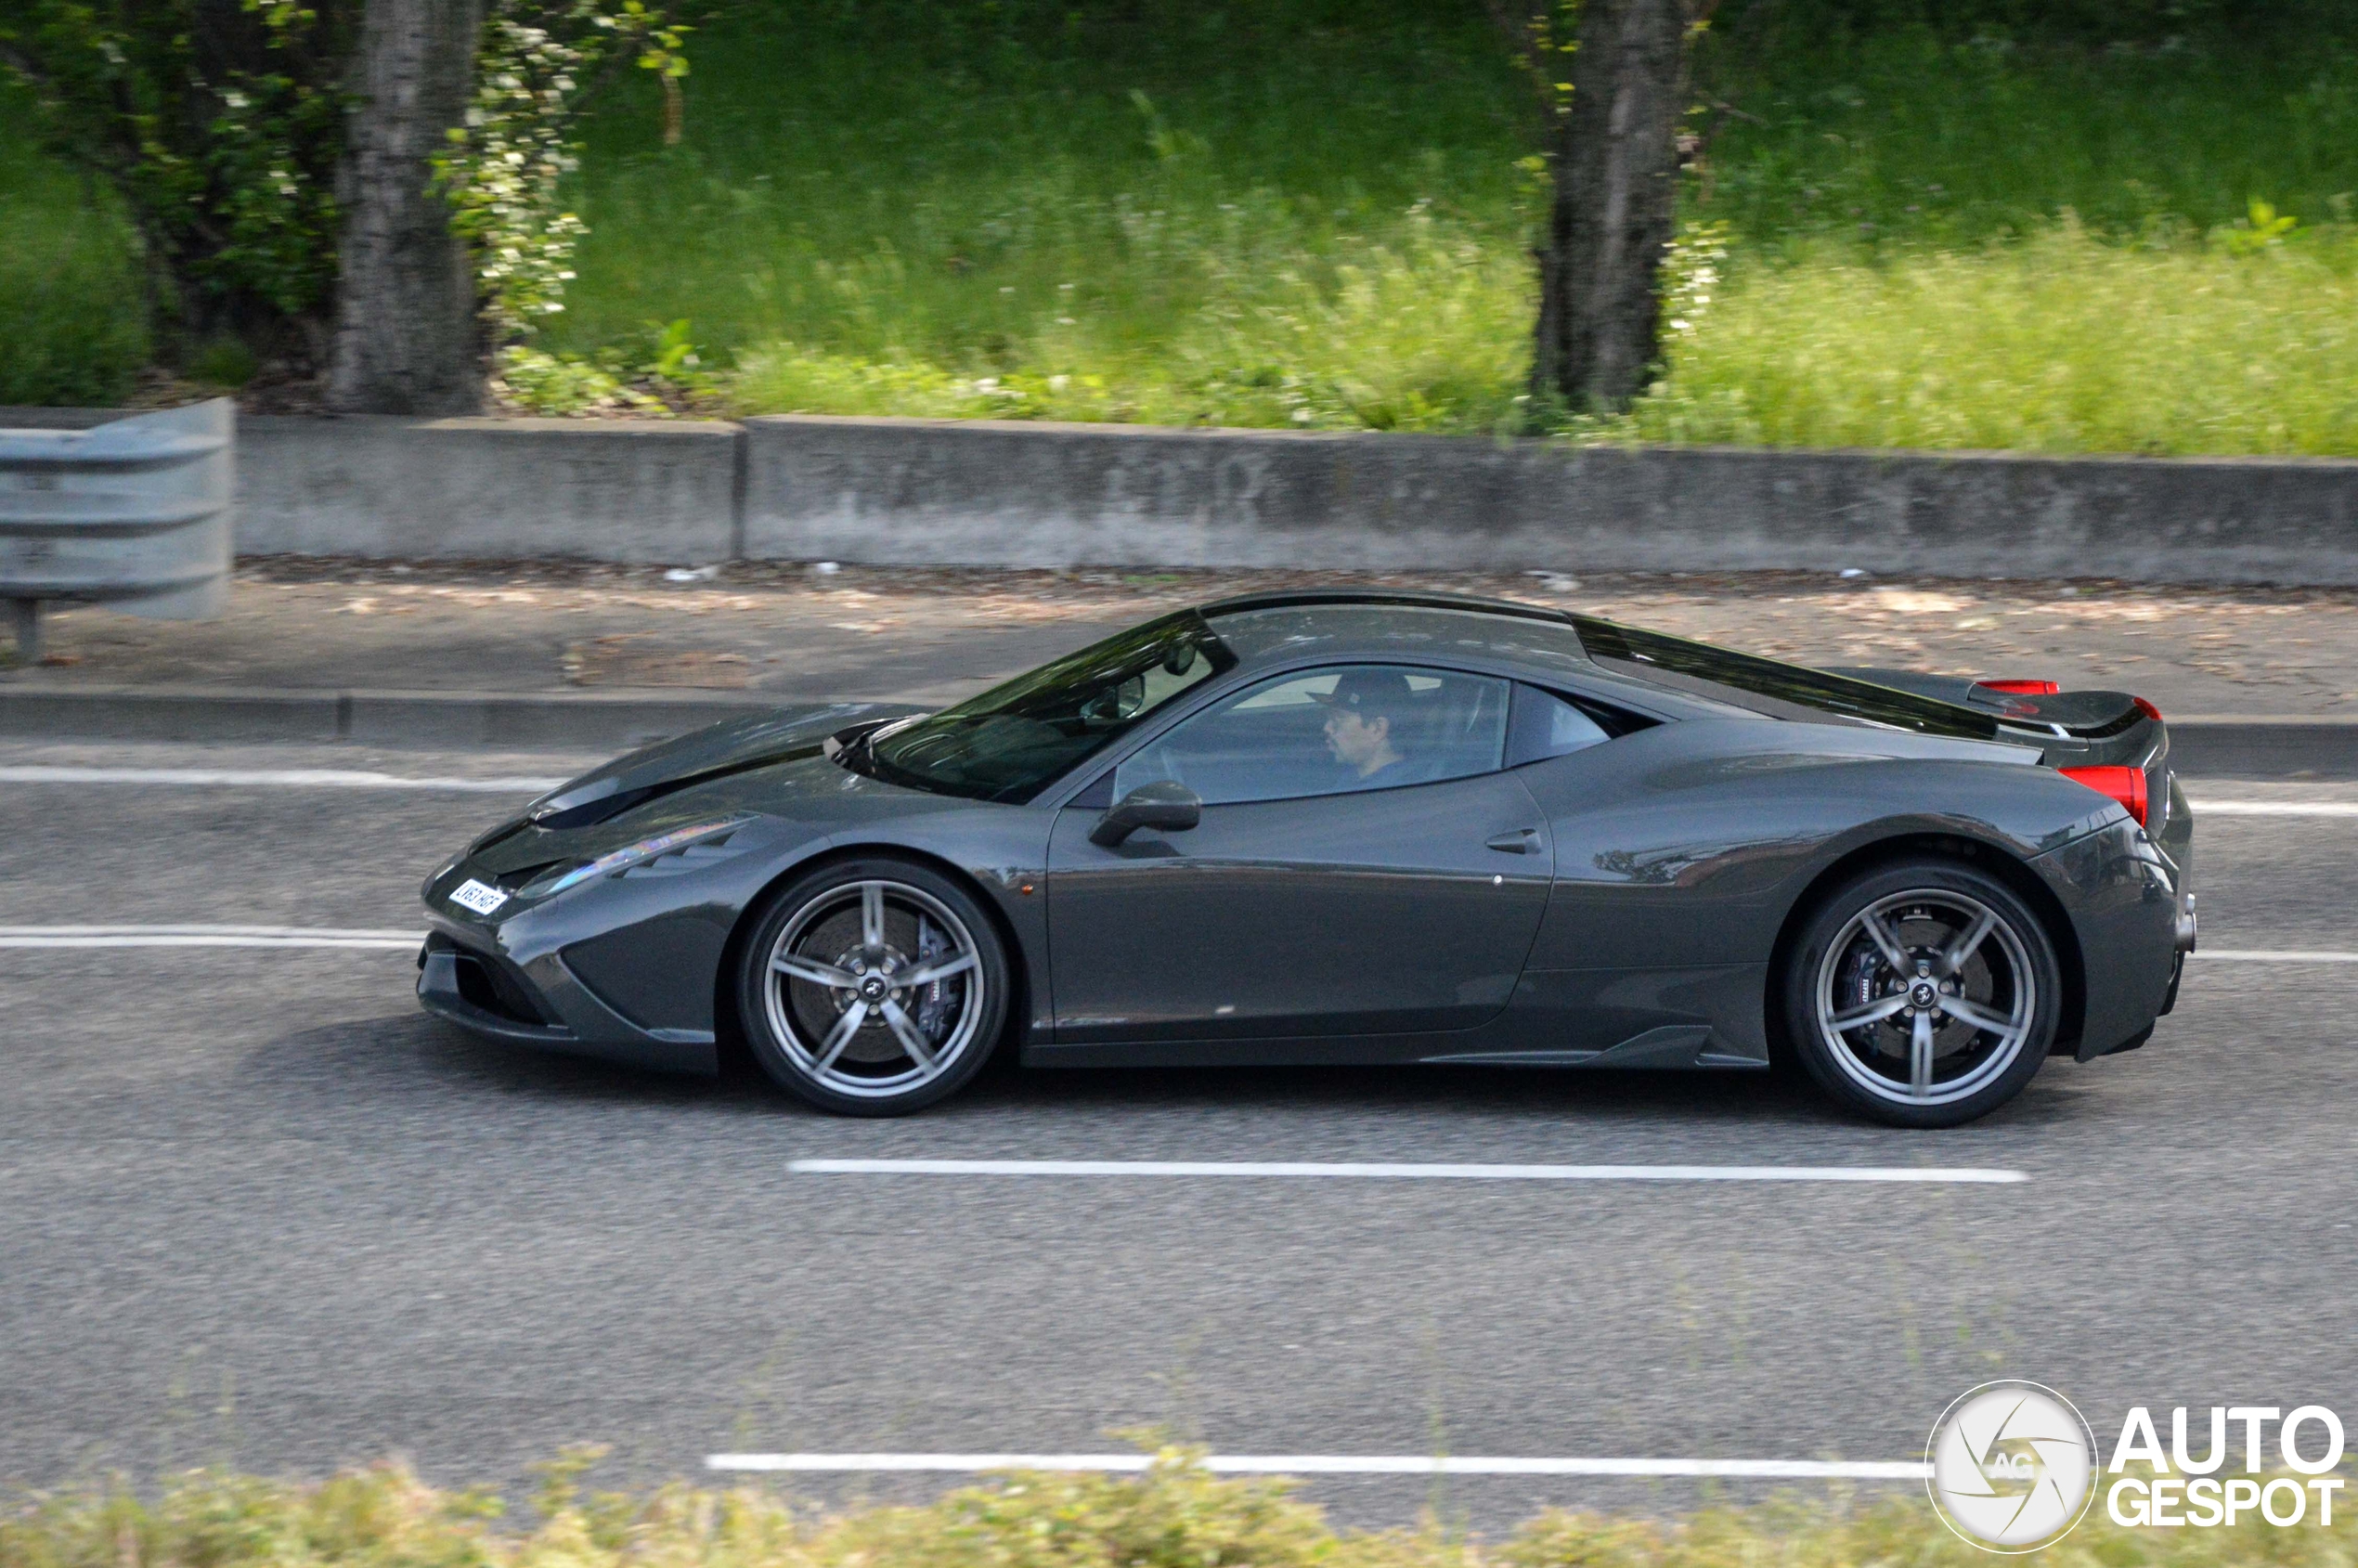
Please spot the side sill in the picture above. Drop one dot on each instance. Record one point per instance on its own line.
(1667, 1046)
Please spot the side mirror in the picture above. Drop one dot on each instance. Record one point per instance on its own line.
(1165, 806)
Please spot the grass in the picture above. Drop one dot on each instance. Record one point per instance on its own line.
(1906, 138)
(71, 328)
(1420, 330)
(1289, 214)
(2057, 343)
(1314, 213)
(1173, 1516)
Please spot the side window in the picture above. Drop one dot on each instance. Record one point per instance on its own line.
(1546, 725)
(1327, 731)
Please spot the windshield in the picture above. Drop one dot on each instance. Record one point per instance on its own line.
(1766, 686)
(1017, 738)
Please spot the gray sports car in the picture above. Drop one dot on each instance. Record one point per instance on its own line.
(1356, 827)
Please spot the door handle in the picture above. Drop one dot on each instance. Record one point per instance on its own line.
(1522, 841)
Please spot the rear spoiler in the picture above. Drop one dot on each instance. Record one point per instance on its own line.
(2079, 729)
(2030, 704)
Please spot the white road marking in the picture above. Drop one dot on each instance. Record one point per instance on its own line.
(266, 778)
(1400, 1171)
(2259, 955)
(354, 778)
(1339, 1464)
(208, 936)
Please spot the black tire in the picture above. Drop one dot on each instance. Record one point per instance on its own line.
(870, 922)
(1840, 968)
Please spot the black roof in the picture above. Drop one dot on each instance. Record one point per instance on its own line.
(1423, 599)
(1361, 622)
(1394, 623)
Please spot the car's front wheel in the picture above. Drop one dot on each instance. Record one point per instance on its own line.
(872, 987)
(1923, 993)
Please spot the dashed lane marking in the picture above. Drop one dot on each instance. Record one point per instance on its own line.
(356, 778)
(266, 778)
(207, 936)
(1289, 1169)
(2262, 955)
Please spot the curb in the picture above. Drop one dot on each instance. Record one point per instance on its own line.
(2203, 745)
(522, 720)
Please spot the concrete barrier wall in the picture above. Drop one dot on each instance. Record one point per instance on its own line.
(640, 491)
(585, 489)
(904, 490)
(961, 492)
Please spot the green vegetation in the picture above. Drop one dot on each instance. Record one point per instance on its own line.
(1173, 1516)
(1264, 214)
(1913, 139)
(1317, 213)
(2057, 343)
(70, 329)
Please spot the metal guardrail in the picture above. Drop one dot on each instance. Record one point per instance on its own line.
(134, 513)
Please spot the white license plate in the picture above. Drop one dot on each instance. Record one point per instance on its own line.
(475, 896)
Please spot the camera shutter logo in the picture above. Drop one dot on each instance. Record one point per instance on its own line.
(2013, 1466)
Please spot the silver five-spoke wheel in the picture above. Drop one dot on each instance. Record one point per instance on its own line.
(1926, 997)
(874, 991)
(1925, 994)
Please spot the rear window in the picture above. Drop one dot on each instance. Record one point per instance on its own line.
(1769, 687)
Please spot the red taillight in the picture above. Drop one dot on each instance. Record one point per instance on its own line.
(2021, 688)
(2124, 784)
(2147, 709)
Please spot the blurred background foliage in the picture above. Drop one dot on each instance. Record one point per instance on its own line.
(1983, 223)
(73, 327)
(200, 137)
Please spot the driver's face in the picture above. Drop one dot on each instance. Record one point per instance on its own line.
(1354, 741)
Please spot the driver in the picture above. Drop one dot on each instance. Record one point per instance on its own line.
(1367, 715)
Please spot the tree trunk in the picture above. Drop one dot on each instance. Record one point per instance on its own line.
(408, 337)
(1616, 206)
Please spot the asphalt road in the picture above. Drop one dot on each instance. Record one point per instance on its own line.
(254, 1206)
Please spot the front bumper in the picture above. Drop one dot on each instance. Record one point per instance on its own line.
(482, 994)
(464, 976)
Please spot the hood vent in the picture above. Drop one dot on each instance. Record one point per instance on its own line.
(695, 857)
(568, 810)
(514, 879)
(605, 807)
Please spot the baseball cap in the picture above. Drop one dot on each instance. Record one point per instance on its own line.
(1374, 691)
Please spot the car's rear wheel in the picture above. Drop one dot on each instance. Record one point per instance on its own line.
(872, 987)
(1923, 993)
